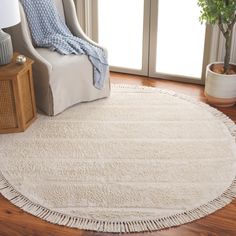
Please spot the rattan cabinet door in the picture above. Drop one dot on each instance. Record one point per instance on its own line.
(8, 118)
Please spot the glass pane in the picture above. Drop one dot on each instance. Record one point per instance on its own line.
(180, 38)
(120, 27)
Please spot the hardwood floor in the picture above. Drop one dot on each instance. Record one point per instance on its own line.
(15, 222)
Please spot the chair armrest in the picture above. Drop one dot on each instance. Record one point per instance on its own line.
(73, 23)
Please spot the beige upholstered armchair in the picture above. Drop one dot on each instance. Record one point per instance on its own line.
(60, 80)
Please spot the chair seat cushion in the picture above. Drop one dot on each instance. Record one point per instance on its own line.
(71, 79)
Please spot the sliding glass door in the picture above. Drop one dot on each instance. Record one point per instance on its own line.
(157, 38)
(121, 26)
(178, 41)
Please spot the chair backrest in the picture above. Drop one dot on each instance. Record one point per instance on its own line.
(60, 8)
(21, 36)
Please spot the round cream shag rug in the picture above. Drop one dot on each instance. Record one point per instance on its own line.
(144, 159)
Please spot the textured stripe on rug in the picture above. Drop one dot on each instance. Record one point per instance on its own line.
(144, 159)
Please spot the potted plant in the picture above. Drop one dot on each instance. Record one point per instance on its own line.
(220, 88)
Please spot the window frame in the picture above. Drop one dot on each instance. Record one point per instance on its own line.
(213, 49)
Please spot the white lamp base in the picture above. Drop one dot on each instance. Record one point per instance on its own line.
(6, 50)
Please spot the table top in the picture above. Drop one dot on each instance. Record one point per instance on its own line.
(13, 68)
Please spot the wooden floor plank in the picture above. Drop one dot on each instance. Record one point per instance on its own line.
(15, 222)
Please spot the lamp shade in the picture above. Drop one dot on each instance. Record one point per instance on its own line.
(9, 13)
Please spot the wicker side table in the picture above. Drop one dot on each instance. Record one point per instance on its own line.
(17, 100)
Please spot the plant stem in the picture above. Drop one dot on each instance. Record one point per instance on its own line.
(228, 45)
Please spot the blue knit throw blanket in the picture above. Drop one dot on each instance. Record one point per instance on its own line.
(48, 30)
